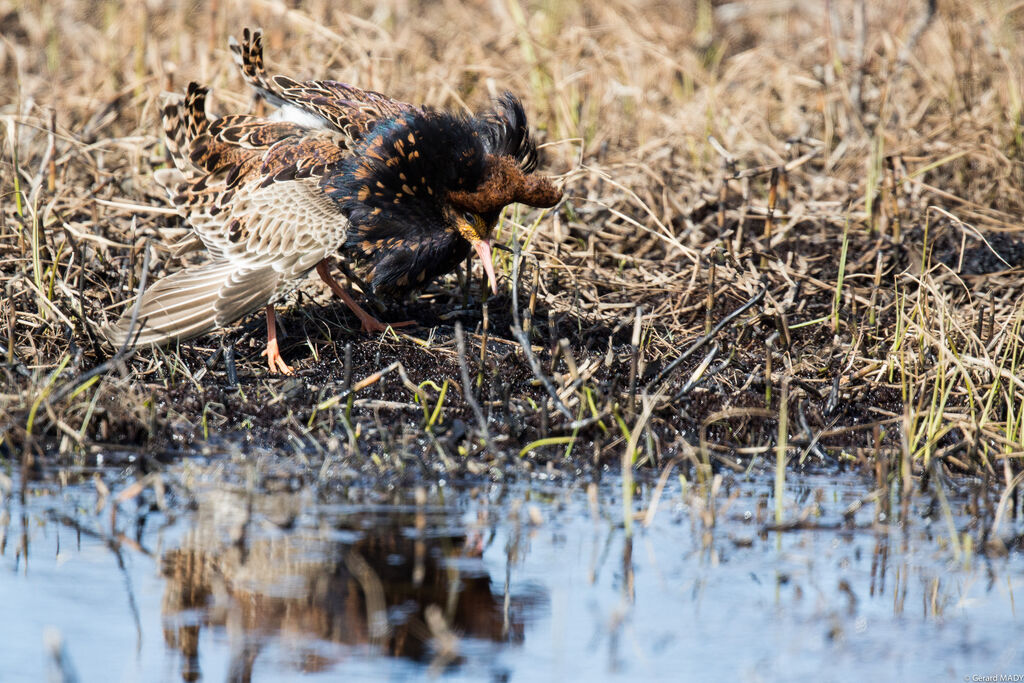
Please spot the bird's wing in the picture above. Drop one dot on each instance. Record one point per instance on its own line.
(193, 301)
(338, 106)
(252, 188)
(251, 192)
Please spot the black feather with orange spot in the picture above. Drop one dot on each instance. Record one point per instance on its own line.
(418, 181)
(395, 190)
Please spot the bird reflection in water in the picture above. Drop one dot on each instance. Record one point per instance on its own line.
(378, 580)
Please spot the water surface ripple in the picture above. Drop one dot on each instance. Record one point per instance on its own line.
(532, 580)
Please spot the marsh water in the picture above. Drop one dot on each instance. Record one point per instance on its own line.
(533, 579)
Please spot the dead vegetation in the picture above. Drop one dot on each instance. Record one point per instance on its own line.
(807, 211)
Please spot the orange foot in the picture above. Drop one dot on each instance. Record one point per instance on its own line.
(274, 359)
(370, 324)
(367, 322)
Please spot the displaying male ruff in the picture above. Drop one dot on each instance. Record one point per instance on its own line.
(408, 190)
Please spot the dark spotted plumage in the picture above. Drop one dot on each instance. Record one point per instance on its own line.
(409, 191)
(393, 190)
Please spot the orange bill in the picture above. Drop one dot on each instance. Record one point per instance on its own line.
(483, 250)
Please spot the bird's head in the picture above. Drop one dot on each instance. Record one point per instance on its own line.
(423, 188)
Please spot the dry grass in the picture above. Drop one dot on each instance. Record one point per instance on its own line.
(898, 159)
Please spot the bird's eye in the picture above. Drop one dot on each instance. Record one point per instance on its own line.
(470, 217)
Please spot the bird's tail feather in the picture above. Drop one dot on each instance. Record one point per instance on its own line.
(248, 56)
(180, 306)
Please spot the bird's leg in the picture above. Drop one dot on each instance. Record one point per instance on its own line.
(368, 322)
(272, 353)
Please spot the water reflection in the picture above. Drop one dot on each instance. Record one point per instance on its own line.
(398, 581)
(531, 580)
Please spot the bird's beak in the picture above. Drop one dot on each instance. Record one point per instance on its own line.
(483, 250)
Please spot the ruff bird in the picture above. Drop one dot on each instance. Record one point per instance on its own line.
(407, 190)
